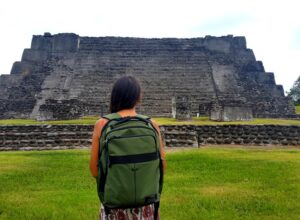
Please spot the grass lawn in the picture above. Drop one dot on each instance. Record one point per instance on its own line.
(163, 121)
(207, 183)
(90, 120)
(206, 121)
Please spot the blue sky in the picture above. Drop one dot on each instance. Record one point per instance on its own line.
(272, 28)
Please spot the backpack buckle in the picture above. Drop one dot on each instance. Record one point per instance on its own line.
(151, 199)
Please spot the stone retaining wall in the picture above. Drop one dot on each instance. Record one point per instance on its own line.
(42, 137)
(190, 135)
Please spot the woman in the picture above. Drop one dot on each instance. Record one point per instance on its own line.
(126, 94)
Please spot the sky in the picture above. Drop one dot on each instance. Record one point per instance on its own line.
(271, 28)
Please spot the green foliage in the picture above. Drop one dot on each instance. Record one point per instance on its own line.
(295, 91)
(297, 108)
(207, 183)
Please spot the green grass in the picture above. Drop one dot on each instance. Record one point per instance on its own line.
(89, 120)
(208, 183)
(206, 121)
(163, 121)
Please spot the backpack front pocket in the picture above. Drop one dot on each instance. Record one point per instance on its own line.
(131, 185)
(147, 182)
(120, 186)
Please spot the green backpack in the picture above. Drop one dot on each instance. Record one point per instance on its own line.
(130, 171)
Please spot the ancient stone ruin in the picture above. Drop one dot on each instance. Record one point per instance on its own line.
(230, 112)
(66, 76)
(48, 137)
(183, 108)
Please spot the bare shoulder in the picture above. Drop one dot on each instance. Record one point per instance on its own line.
(101, 122)
(155, 124)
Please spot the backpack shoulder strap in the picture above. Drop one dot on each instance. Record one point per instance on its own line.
(143, 117)
(112, 116)
(147, 118)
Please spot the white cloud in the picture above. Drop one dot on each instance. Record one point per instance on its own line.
(269, 26)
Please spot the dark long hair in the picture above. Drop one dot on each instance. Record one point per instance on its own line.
(125, 94)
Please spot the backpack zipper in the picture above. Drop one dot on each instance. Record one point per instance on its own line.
(123, 120)
(127, 136)
(120, 123)
(119, 129)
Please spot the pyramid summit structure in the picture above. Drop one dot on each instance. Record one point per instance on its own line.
(66, 76)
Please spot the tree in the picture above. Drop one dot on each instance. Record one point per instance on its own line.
(295, 91)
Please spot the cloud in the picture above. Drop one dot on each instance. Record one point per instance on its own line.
(295, 41)
(272, 28)
(223, 24)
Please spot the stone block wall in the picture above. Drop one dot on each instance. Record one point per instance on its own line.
(229, 113)
(63, 68)
(45, 137)
(235, 134)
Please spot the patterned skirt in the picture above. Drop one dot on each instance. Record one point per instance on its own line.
(142, 213)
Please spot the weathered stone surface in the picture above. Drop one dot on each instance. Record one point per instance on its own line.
(41, 137)
(231, 113)
(67, 76)
(183, 108)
